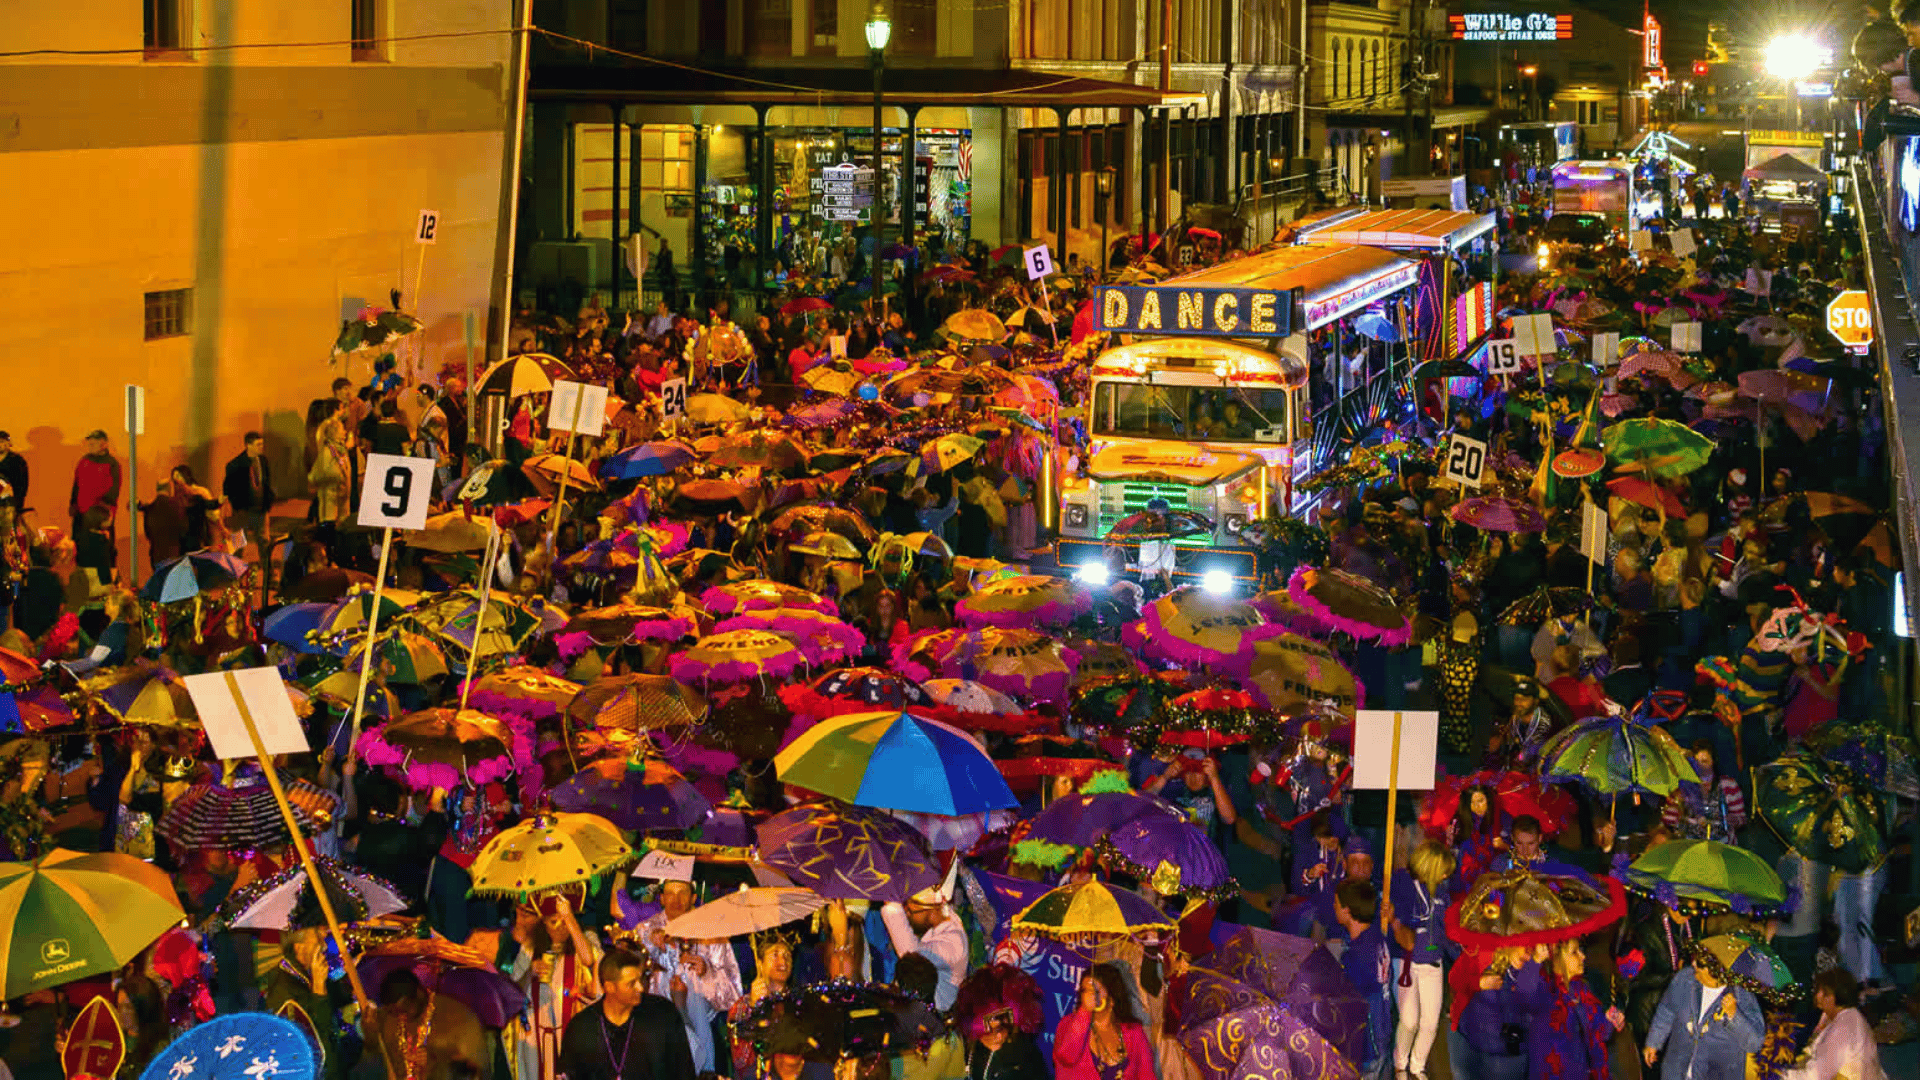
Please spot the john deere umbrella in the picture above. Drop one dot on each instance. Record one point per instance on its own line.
(74, 916)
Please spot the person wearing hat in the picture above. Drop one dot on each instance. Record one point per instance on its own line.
(96, 484)
(556, 968)
(1525, 729)
(926, 925)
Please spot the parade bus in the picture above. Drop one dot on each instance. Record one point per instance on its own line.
(1459, 253)
(1208, 404)
(1597, 187)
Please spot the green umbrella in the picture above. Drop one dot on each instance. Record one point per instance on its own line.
(76, 916)
(1656, 447)
(1825, 813)
(1706, 875)
(1617, 754)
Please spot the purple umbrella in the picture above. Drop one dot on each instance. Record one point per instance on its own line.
(1301, 978)
(492, 996)
(730, 826)
(1081, 820)
(1497, 513)
(638, 796)
(1171, 855)
(1235, 1032)
(848, 852)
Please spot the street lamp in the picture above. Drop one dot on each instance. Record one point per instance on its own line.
(1274, 163)
(1532, 73)
(1103, 183)
(1791, 58)
(879, 31)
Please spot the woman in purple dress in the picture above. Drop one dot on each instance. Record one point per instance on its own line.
(1568, 1040)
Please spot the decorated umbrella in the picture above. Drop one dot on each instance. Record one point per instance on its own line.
(143, 693)
(465, 974)
(240, 818)
(1102, 660)
(1651, 446)
(977, 707)
(232, 1047)
(656, 458)
(847, 852)
(760, 593)
(716, 409)
(1546, 602)
(638, 794)
(975, 325)
(771, 450)
(373, 332)
(1291, 672)
(1024, 600)
(32, 700)
(1520, 909)
(624, 622)
(832, 1022)
(856, 690)
(1304, 979)
(1033, 756)
(1091, 909)
(1881, 758)
(1233, 1032)
(827, 545)
(502, 627)
(1083, 818)
(737, 656)
(895, 761)
(832, 377)
(709, 497)
(1174, 858)
(747, 911)
(636, 703)
(1191, 626)
(286, 901)
(445, 748)
(1497, 513)
(1744, 960)
(69, 916)
(404, 658)
(1120, 703)
(1578, 463)
(1645, 493)
(947, 451)
(546, 471)
(450, 532)
(1024, 663)
(518, 376)
(1706, 875)
(1828, 814)
(1616, 754)
(823, 638)
(192, 575)
(1350, 604)
(1514, 794)
(1159, 525)
(827, 517)
(548, 853)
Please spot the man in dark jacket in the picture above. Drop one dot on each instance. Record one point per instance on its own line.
(248, 487)
(13, 471)
(389, 434)
(626, 1010)
(96, 483)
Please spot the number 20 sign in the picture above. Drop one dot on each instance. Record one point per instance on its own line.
(396, 491)
(1466, 460)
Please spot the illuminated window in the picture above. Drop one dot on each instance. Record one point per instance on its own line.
(169, 313)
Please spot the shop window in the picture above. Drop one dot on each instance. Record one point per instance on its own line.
(165, 28)
(769, 27)
(666, 158)
(169, 313)
(367, 42)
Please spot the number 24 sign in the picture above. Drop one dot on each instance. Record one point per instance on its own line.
(396, 491)
(1466, 460)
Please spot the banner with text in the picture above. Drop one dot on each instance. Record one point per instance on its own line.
(1214, 312)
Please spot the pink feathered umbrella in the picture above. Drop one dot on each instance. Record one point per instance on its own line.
(758, 594)
(1024, 600)
(1350, 604)
(445, 748)
(823, 638)
(737, 656)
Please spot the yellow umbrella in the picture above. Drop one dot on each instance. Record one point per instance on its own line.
(835, 379)
(525, 684)
(831, 545)
(975, 325)
(1092, 907)
(1294, 672)
(1191, 626)
(949, 450)
(548, 853)
(450, 532)
(1024, 600)
(715, 409)
(636, 703)
(1024, 663)
(545, 470)
(71, 916)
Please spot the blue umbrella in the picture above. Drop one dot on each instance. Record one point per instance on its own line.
(238, 1046)
(1375, 325)
(896, 761)
(647, 459)
(290, 626)
(190, 575)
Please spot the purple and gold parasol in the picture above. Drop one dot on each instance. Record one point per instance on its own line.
(1302, 978)
(847, 852)
(1234, 1032)
(1024, 600)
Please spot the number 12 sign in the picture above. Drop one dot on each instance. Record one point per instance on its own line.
(396, 492)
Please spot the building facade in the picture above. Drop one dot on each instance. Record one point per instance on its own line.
(1596, 75)
(195, 207)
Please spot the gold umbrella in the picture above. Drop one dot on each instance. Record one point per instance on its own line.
(1293, 672)
(975, 324)
(549, 853)
(636, 703)
(450, 532)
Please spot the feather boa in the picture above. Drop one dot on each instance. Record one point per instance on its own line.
(425, 776)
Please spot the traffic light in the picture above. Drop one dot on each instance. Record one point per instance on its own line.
(1699, 68)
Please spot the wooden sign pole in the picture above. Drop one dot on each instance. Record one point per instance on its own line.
(566, 474)
(480, 616)
(366, 658)
(1393, 805)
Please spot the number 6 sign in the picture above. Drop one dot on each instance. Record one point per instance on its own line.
(1039, 262)
(396, 492)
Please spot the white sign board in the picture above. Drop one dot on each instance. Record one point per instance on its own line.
(577, 407)
(395, 492)
(1373, 750)
(1641, 240)
(1683, 244)
(136, 410)
(1686, 337)
(1503, 357)
(265, 694)
(1593, 532)
(428, 229)
(1606, 348)
(673, 399)
(837, 346)
(1039, 262)
(1533, 335)
(1759, 282)
(664, 866)
(1466, 460)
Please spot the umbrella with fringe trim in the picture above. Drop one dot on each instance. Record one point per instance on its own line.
(1350, 604)
(446, 748)
(1698, 876)
(637, 794)
(823, 638)
(549, 853)
(636, 703)
(737, 656)
(1091, 908)
(855, 690)
(1521, 909)
(1174, 858)
(1024, 600)
(759, 594)
(286, 900)
(1193, 627)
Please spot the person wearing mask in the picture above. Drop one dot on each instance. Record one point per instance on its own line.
(1570, 1040)
(1704, 1028)
(248, 487)
(1102, 1039)
(1420, 947)
(1842, 1047)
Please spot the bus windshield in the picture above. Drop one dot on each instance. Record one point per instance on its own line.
(1213, 414)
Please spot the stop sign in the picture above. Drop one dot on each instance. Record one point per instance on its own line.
(1850, 320)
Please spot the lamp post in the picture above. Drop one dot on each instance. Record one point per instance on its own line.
(879, 30)
(1274, 164)
(1791, 58)
(1103, 184)
(1532, 73)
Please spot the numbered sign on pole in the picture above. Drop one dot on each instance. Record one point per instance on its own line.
(396, 492)
(265, 694)
(673, 399)
(1593, 533)
(1373, 750)
(1686, 337)
(577, 407)
(1503, 357)
(1039, 262)
(428, 228)
(1533, 335)
(1606, 348)
(1466, 460)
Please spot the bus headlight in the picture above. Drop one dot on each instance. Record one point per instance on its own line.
(1542, 252)
(1093, 573)
(1235, 523)
(1217, 582)
(1076, 516)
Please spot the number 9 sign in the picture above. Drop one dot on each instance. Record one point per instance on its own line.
(396, 492)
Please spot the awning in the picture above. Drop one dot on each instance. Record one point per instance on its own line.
(632, 82)
(1270, 295)
(1420, 230)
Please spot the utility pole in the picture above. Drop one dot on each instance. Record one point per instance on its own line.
(1166, 118)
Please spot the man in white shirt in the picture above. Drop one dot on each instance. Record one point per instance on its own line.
(926, 925)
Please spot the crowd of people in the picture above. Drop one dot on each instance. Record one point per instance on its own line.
(1672, 782)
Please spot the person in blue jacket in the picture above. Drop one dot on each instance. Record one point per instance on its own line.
(1704, 1029)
